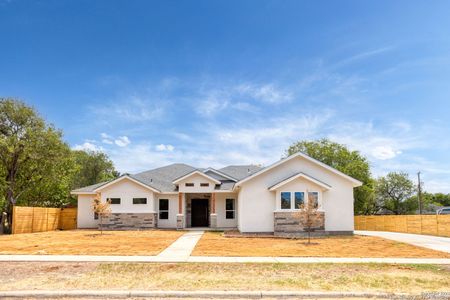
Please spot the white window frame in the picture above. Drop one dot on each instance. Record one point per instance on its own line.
(319, 204)
(290, 200)
(305, 199)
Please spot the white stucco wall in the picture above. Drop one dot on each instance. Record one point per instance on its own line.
(173, 210)
(222, 221)
(126, 190)
(196, 179)
(256, 203)
(85, 216)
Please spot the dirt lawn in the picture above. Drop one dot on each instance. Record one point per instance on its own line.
(216, 244)
(89, 242)
(212, 276)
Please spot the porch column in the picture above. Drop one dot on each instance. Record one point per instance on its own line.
(180, 215)
(213, 216)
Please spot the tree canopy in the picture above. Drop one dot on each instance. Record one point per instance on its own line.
(37, 168)
(92, 167)
(35, 163)
(349, 162)
(394, 193)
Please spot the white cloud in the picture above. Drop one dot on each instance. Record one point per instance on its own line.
(365, 55)
(122, 141)
(162, 147)
(87, 146)
(211, 106)
(385, 152)
(106, 138)
(131, 108)
(268, 93)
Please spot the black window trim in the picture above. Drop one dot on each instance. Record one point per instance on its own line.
(115, 198)
(230, 210)
(163, 210)
(134, 203)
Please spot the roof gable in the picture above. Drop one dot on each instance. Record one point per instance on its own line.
(303, 155)
(297, 176)
(126, 177)
(195, 172)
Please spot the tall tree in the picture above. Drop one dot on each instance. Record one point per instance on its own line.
(35, 163)
(93, 167)
(349, 162)
(394, 193)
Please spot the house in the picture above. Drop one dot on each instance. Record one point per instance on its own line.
(247, 197)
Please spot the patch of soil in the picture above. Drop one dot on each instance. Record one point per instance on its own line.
(10, 271)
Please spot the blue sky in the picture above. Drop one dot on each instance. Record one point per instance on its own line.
(212, 83)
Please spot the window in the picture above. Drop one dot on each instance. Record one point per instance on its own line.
(229, 208)
(163, 209)
(114, 200)
(139, 200)
(285, 200)
(299, 199)
(188, 184)
(95, 216)
(314, 196)
(204, 184)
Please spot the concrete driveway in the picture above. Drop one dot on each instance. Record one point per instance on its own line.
(427, 241)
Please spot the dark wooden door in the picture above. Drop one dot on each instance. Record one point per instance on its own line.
(199, 213)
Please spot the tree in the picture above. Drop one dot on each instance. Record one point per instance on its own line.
(308, 216)
(349, 162)
(93, 167)
(101, 209)
(34, 161)
(430, 201)
(394, 192)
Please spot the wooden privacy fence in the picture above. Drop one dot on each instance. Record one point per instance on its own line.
(419, 224)
(38, 219)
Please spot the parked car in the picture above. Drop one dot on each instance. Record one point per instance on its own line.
(443, 211)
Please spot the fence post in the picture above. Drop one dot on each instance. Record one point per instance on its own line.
(13, 225)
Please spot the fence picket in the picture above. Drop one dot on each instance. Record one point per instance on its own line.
(38, 219)
(418, 224)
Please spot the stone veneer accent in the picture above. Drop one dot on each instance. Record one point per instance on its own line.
(287, 223)
(213, 220)
(180, 221)
(130, 221)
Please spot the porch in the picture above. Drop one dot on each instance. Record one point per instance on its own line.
(207, 211)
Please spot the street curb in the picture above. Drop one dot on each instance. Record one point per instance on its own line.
(197, 294)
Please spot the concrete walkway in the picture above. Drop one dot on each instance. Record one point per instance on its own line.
(427, 241)
(181, 249)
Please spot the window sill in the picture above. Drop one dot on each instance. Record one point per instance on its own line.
(295, 210)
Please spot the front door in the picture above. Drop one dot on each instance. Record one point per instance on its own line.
(199, 212)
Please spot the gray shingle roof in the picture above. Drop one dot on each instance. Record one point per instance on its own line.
(89, 188)
(162, 178)
(240, 172)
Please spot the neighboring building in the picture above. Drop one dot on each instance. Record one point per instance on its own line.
(249, 198)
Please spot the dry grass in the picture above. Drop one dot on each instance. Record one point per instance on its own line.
(89, 242)
(187, 276)
(215, 244)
